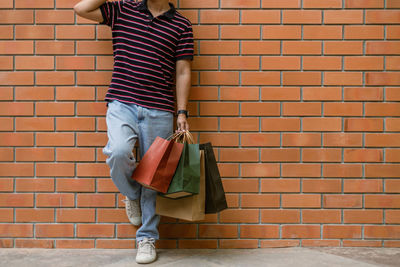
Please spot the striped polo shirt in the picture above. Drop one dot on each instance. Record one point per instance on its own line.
(145, 51)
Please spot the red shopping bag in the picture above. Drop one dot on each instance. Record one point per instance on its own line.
(157, 167)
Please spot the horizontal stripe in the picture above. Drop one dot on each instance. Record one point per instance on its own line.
(145, 52)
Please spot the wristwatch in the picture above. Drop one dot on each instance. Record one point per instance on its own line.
(182, 111)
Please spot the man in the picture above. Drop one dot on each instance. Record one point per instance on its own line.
(152, 45)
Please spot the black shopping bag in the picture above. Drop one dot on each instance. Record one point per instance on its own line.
(215, 194)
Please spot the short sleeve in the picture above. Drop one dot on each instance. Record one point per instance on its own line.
(185, 47)
(110, 11)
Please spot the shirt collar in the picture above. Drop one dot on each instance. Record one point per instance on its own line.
(169, 14)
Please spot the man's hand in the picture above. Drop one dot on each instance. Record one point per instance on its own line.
(181, 123)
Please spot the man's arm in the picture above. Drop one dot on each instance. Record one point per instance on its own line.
(89, 9)
(183, 83)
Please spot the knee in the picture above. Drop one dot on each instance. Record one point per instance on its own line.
(121, 151)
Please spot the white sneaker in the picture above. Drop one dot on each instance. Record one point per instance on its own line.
(146, 251)
(132, 208)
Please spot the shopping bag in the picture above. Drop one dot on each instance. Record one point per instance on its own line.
(186, 180)
(189, 208)
(157, 167)
(215, 194)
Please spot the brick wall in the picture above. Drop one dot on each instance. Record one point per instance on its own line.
(300, 99)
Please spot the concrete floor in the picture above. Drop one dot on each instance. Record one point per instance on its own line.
(293, 256)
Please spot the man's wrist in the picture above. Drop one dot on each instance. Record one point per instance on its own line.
(183, 112)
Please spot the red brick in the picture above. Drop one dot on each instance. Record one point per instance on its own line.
(55, 200)
(259, 200)
(239, 216)
(54, 230)
(34, 185)
(75, 215)
(382, 140)
(34, 215)
(55, 78)
(301, 231)
(365, 3)
(6, 124)
(343, 48)
(95, 230)
(302, 47)
(382, 16)
(343, 16)
(31, 243)
(382, 231)
(240, 32)
(281, 32)
(240, 185)
(341, 231)
(177, 230)
(325, 32)
(280, 216)
(239, 124)
(16, 16)
(7, 215)
(16, 169)
(281, 63)
(16, 139)
(301, 200)
(322, 63)
(96, 200)
(302, 16)
(112, 215)
(260, 16)
(363, 216)
(280, 154)
(343, 78)
(260, 170)
(51, 47)
(34, 124)
(54, 16)
(280, 185)
(34, 93)
(260, 78)
(16, 78)
(363, 155)
(381, 201)
(55, 139)
(280, 124)
(34, 63)
(342, 201)
(322, 124)
(16, 230)
(321, 185)
(259, 47)
(363, 32)
(240, 63)
(301, 139)
(75, 185)
(219, 16)
(75, 93)
(321, 216)
(218, 231)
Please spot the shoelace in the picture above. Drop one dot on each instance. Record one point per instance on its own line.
(146, 245)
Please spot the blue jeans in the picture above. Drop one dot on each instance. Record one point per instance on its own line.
(127, 123)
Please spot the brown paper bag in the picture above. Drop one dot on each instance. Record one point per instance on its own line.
(189, 208)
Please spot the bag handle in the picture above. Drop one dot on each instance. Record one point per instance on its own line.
(182, 137)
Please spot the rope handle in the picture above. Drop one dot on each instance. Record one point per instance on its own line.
(182, 137)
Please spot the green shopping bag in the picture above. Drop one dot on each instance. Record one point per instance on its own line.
(186, 180)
